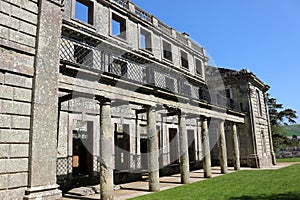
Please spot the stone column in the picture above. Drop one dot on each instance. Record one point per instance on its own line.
(236, 151)
(106, 149)
(184, 154)
(270, 131)
(206, 149)
(44, 110)
(223, 149)
(153, 163)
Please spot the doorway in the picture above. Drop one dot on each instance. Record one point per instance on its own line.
(83, 150)
(122, 147)
(173, 142)
(191, 143)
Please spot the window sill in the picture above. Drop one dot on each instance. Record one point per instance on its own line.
(119, 39)
(199, 76)
(82, 23)
(167, 60)
(185, 69)
(146, 51)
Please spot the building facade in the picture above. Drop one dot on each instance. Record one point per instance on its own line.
(101, 91)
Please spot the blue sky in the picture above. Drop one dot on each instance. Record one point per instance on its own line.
(260, 35)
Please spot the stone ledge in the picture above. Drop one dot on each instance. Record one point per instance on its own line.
(43, 192)
(17, 47)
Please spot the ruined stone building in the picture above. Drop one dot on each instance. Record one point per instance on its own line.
(102, 91)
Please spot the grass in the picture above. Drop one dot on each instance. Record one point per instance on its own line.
(281, 160)
(282, 184)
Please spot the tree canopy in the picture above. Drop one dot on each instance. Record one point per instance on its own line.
(280, 116)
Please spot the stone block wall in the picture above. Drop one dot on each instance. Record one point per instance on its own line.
(18, 26)
(15, 111)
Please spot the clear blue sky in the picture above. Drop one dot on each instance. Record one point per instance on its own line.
(260, 35)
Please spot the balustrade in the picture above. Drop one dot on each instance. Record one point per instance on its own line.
(102, 60)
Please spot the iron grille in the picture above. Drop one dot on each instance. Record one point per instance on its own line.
(62, 166)
(100, 59)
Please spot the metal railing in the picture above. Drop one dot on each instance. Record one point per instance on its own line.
(122, 3)
(181, 38)
(143, 15)
(102, 60)
(165, 28)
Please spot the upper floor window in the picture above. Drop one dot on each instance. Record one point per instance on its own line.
(228, 93)
(145, 40)
(184, 59)
(199, 67)
(259, 108)
(167, 51)
(84, 11)
(118, 26)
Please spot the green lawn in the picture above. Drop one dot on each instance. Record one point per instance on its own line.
(281, 160)
(282, 184)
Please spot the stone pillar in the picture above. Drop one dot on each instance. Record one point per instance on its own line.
(236, 151)
(44, 111)
(184, 154)
(153, 163)
(106, 149)
(223, 149)
(206, 149)
(270, 131)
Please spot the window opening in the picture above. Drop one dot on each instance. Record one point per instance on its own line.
(145, 40)
(118, 26)
(167, 51)
(184, 59)
(199, 69)
(84, 11)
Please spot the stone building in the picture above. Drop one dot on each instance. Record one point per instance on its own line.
(103, 91)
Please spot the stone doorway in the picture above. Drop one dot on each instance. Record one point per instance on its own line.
(122, 147)
(191, 143)
(82, 159)
(144, 153)
(174, 149)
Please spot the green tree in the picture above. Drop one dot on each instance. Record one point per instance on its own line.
(279, 117)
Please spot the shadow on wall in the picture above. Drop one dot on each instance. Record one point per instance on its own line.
(286, 196)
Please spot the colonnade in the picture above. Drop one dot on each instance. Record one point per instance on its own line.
(106, 153)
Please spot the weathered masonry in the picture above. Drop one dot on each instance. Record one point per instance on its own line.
(103, 92)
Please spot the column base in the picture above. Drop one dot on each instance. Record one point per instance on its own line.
(274, 162)
(43, 192)
(253, 161)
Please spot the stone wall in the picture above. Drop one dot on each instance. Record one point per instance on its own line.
(18, 24)
(102, 12)
(261, 126)
(254, 137)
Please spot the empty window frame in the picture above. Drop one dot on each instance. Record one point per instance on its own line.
(167, 51)
(228, 93)
(184, 59)
(145, 40)
(259, 108)
(84, 11)
(118, 26)
(199, 67)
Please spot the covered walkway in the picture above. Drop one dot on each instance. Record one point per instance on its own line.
(139, 188)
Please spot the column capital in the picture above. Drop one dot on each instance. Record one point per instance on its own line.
(182, 114)
(218, 119)
(103, 100)
(203, 118)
